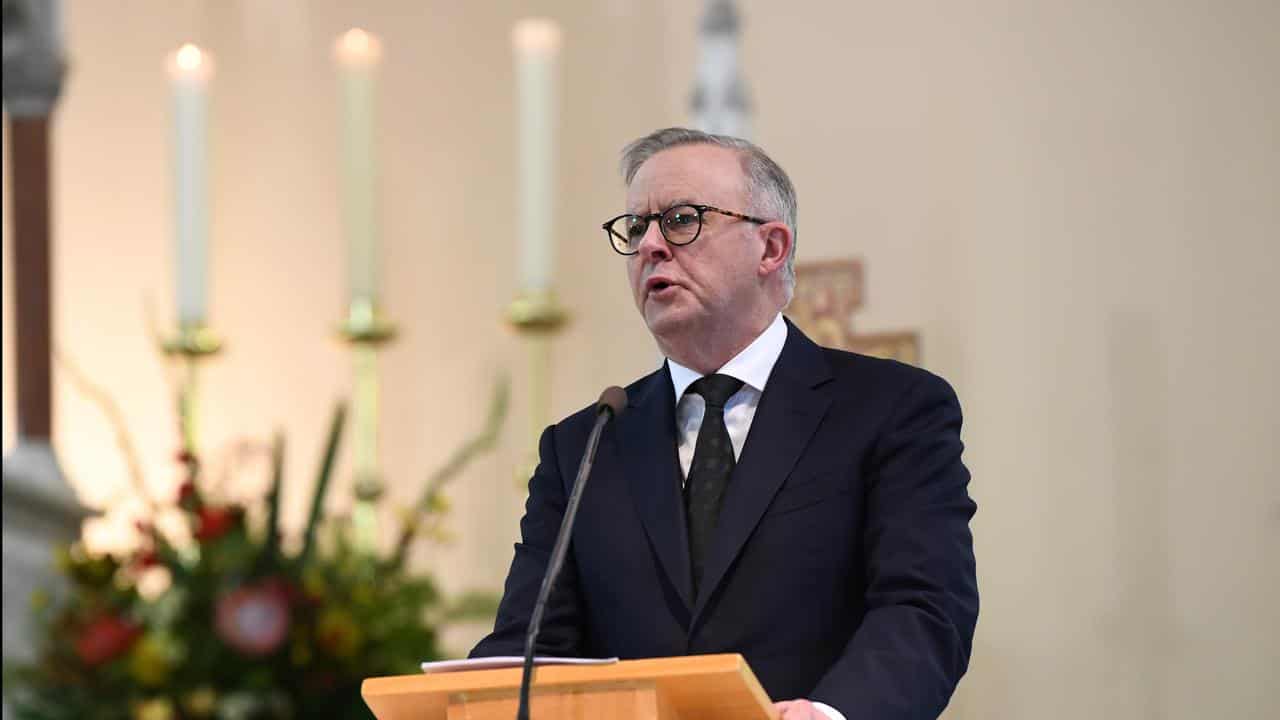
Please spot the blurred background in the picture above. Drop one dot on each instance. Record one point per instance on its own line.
(1074, 206)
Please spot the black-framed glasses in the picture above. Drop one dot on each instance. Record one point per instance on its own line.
(679, 224)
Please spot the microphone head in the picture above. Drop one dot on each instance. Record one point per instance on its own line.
(613, 398)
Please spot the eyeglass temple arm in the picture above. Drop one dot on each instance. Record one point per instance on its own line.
(731, 213)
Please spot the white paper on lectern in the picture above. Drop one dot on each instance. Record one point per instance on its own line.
(507, 661)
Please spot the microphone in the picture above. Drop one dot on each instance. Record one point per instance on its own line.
(611, 404)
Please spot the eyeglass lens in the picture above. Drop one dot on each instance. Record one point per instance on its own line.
(680, 225)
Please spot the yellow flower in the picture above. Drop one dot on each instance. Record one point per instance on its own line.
(408, 518)
(151, 660)
(442, 535)
(299, 653)
(313, 582)
(160, 708)
(439, 503)
(200, 702)
(338, 634)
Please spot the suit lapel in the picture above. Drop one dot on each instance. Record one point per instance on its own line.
(646, 444)
(788, 414)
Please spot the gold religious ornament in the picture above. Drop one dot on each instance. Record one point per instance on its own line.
(192, 344)
(193, 341)
(536, 313)
(827, 295)
(366, 324)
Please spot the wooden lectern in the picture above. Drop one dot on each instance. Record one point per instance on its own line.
(696, 687)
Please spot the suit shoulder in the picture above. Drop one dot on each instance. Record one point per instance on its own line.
(891, 377)
(581, 420)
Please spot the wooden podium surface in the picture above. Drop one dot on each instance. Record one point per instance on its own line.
(705, 687)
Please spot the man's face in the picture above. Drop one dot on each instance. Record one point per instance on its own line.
(690, 291)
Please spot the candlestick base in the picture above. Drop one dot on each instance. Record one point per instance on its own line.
(536, 312)
(193, 341)
(364, 516)
(368, 487)
(366, 325)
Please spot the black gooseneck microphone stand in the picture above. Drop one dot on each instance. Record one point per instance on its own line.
(612, 402)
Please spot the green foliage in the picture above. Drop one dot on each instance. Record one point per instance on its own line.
(242, 630)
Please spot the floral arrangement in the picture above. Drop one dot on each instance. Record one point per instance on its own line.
(243, 629)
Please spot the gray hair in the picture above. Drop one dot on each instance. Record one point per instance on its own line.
(771, 192)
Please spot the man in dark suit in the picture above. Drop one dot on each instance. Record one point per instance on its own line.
(803, 506)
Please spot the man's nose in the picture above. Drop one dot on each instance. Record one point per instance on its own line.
(653, 246)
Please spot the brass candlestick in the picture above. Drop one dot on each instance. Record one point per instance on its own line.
(538, 317)
(193, 343)
(365, 329)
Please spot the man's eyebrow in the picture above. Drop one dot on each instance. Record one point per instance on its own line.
(681, 200)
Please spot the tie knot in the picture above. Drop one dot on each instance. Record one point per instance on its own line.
(715, 389)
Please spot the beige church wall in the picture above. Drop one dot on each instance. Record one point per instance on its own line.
(1073, 203)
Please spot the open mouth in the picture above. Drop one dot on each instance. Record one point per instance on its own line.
(659, 288)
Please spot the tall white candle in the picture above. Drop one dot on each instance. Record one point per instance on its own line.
(190, 70)
(537, 46)
(358, 54)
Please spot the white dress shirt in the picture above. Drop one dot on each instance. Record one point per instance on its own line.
(752, 366)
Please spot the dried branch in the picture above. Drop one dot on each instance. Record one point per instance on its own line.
(430, 500)
(115, 418)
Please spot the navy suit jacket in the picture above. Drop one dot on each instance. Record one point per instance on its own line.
(842, 566)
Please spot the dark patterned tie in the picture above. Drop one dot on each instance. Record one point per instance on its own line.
(710, 470)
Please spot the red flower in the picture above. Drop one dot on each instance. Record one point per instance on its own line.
(253, 619)
(293, 594)
(188, 496)
(105, 638)
(146, 559)
(321, 680)
(214, 522)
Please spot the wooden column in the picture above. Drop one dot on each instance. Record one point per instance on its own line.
(32, 299)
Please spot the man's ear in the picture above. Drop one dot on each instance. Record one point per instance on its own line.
(778, 239)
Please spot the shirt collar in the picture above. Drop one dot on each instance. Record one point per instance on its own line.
(752, 366)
